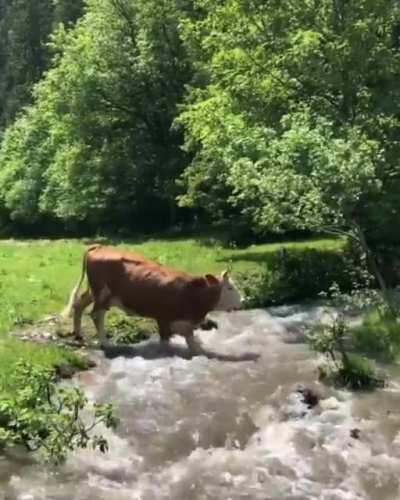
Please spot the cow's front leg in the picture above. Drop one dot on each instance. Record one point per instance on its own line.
(193, 343)
(165, 332)
(186, 329)
(208, 324)
(79, 306)
(98, 316)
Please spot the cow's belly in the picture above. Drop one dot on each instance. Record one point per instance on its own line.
(183, 328)
(157, 307)
(147, 310)
(117, 302)
(180, 327)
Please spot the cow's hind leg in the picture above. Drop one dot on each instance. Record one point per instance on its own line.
(78, 307)
(98, 316)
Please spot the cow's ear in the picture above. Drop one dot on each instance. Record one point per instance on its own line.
(212, 280)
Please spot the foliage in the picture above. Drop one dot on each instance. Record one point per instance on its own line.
(306, 273)
(288, 114)
(41, 415)
(257, 287)
(294, 121)
(128, 330)
(25, 27)
(335, 337)
(97, 144)
(341, 367)
(359, 373)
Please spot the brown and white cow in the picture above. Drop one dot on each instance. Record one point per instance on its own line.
(177, 301)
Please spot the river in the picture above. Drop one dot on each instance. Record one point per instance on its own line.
(226, 426)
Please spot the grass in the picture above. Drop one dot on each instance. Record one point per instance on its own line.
(378, 337)
(36, 277)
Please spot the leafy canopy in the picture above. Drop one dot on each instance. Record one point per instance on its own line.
(295, 121)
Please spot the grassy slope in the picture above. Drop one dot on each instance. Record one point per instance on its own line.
(37, 276)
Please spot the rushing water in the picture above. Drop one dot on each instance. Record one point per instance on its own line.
(224, 426)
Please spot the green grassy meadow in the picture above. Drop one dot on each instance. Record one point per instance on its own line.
(38, 275)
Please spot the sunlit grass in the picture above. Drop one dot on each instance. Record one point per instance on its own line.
(37, 276)
(378, 336)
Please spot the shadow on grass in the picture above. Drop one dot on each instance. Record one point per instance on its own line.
(268, 257)
(153, 350)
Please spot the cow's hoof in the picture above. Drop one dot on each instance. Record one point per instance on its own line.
(209, 324)
(77, 340)
(195, 350)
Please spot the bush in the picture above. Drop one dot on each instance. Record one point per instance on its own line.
(259, 288)
(359, 373)
(341, 367)
(295, 275)
(43, 416)
(125, 329)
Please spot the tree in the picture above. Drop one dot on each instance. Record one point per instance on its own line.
(97, 144)
(25, 27)
(296, 116)
(67, 11)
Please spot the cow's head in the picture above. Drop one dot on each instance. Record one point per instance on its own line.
(230, 299)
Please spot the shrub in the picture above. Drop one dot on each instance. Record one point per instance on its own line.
(46, 417)
(295, 275)
(341, 367)
(125, 329)
(259, 288)
(359, 373)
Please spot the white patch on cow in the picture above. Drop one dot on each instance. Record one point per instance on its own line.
(230, 299)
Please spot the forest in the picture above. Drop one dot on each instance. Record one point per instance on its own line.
(147, 115)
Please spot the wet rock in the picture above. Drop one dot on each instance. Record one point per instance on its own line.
(355, 433)
(262, 477)
(277, 468)
(85, 377)
(65, 370)
(63, 334)
(330, 404)
(88, 362)
(309, 396)
(74, 343)
(91, 363)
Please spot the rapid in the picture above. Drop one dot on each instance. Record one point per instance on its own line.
(225, 425)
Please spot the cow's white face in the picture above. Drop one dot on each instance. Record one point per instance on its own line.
(230, 299)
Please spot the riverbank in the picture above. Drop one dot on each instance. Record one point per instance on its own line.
(37, 276)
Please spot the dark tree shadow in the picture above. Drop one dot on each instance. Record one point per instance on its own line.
(153, 350)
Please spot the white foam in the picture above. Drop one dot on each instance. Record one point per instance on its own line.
(213, 428)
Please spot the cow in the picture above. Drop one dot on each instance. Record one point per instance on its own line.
(179, 302)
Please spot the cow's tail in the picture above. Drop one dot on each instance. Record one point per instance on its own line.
(66, 313)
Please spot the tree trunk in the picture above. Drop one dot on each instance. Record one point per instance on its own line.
(376, 271)
(172, 212)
